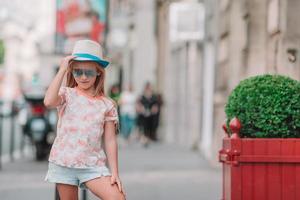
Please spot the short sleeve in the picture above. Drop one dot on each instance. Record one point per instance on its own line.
(111, 114)
(63, 93)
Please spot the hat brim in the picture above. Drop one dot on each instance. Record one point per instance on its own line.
(89, 57)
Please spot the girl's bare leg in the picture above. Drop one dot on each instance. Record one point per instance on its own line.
(67, 192)
(102, 188)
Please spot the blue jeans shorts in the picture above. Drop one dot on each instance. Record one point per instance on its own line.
(74, 176)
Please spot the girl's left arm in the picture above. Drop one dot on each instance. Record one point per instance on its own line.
(111, 146)
(111, 149)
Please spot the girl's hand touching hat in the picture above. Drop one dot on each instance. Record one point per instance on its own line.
(64, 64)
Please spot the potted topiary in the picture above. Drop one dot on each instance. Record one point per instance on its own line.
(261, 147)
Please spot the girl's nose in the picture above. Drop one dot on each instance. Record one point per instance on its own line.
(83, 76)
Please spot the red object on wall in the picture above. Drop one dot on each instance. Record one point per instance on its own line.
(260, 169)
(97, 31)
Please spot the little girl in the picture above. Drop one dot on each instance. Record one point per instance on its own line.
(86, 129)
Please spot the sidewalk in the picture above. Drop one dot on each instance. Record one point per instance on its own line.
(159, 172)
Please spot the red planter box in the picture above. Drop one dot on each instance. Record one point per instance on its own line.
(260, 169)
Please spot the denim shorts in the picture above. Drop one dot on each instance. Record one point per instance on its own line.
(74, 176)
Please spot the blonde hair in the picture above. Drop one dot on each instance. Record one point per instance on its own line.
(99, 83)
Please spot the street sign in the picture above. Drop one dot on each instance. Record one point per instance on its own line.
(186, 21)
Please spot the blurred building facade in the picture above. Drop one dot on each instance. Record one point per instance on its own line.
(131, 41)
(242, 38)
(251, 37)
(27, 40)
(164, 42)
(180, 68)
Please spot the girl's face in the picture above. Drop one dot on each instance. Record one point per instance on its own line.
(85, 74)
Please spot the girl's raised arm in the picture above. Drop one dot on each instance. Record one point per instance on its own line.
(52, 98)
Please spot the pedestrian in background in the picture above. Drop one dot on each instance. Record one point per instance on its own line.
(127, 104)
(149, 109)
(86, 117)
(156, 119)
(139, 119)
(115, 93)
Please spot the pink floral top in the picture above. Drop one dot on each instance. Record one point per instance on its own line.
(80, 128)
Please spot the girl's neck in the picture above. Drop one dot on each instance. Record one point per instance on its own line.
(89, 92)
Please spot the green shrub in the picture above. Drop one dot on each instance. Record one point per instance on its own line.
(268, 106)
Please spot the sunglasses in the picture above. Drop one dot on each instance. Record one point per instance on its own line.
(89, 73)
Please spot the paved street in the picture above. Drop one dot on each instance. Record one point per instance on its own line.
(160, 172)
